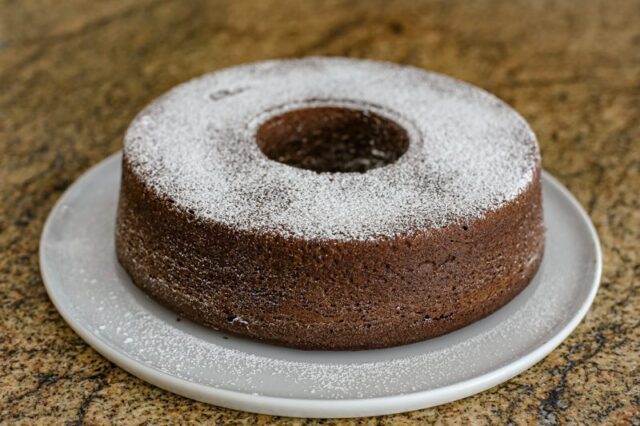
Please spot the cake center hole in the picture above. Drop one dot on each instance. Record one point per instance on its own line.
(332, 139)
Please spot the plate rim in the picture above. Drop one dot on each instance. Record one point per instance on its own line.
(320, 408)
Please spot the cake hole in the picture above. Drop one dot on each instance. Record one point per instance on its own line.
(332, 139)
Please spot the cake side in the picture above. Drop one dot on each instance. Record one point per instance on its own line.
(328, 294)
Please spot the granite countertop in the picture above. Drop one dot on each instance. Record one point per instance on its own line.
(73, 74)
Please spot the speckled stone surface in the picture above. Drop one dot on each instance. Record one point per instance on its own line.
(73, 74)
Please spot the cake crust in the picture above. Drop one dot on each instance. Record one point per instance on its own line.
(345, 282)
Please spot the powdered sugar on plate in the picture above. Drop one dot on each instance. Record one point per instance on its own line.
(97, 298)
(469, 152)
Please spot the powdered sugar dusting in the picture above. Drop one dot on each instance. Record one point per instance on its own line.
(469, 152)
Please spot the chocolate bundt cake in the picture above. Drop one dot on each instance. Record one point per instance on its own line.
(328, 203)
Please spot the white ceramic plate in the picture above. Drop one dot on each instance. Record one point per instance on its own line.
(96, 297)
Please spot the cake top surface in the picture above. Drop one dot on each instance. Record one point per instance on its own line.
(468, 153)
